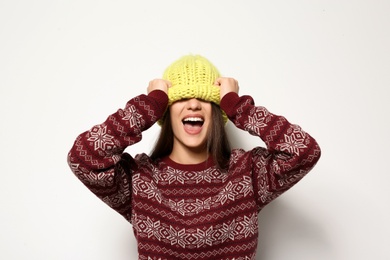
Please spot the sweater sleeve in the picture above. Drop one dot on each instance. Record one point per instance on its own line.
(97, 156)
(290, 154)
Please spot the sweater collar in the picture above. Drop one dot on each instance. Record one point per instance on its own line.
(189, 167)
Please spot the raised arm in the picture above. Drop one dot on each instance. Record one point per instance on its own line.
(290, 153)
(97, 157)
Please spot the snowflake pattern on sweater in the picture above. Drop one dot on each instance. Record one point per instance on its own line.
(192, 211)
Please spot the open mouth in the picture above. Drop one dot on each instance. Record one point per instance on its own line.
(193, 125)
(193, 121)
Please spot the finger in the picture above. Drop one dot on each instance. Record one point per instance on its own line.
(169, 84)
(217, 82)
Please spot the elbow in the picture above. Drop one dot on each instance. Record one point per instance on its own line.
(74, 161)
(317, 153)
(314, 156)
(71, 163)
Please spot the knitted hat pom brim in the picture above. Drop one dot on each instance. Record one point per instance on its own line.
(205, 93)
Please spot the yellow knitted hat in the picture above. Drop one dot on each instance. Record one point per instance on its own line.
(193, 76)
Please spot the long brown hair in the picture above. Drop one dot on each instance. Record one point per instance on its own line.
(217, 141)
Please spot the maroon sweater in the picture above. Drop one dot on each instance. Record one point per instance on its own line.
(192, 211)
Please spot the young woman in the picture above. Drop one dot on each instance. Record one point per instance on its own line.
(192, 197)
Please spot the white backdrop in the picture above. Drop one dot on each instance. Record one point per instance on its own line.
(66, 65)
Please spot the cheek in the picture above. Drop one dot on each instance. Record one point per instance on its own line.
(171, 109)
(175, 108)
(174, 115)
(209, 110)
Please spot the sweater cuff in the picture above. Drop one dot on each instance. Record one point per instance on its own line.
(228, 103)
(159, 100)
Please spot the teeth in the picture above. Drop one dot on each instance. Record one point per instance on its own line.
(193, 119)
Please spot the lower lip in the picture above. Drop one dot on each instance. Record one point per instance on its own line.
(192, 130)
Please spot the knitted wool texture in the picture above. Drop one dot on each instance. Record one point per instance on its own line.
(193, 76)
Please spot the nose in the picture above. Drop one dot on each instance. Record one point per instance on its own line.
(193, 104)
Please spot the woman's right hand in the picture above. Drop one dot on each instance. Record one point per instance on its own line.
(160, 84)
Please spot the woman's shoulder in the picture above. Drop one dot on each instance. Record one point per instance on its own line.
(239, 156)
(144, 160)
(240, 152)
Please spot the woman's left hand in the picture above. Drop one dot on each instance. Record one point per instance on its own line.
(226, 85)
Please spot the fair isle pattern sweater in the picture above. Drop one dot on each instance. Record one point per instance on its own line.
(192, 211)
